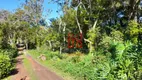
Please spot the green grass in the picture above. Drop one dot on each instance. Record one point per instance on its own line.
(74, 66)
(29, 69)
(50, 66)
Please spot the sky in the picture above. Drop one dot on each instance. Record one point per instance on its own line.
(12, 5)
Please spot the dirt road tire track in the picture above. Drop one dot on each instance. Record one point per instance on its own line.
(20, 71)
(42, 72)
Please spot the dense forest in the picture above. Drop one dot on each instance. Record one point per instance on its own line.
(111, 37)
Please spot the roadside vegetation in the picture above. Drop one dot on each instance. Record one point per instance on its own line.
(111, 37)
(97, 65)
(7, 62)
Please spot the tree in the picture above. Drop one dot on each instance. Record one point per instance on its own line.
(33, 10)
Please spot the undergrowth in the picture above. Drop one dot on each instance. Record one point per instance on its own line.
(121, 61)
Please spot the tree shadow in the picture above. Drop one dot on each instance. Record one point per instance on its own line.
(17, 62)
(72, 50)
(14, 72)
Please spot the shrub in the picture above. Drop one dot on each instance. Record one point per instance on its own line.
(7, 62)
(12, 53)
(5, 66)
(117, 35)
(132, 31)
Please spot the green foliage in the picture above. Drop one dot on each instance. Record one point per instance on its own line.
(92, 34)
(104, 44)
(132, 31)
(124, 62)
(117, 35)
(6, 62)
(5, 66)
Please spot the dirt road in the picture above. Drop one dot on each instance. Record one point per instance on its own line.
(41, 72)
(20, 73)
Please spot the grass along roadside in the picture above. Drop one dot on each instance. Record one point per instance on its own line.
(29, 68)
(50, 65)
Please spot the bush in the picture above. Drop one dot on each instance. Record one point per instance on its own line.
(5, 66)
(7, 62)
(12, 53)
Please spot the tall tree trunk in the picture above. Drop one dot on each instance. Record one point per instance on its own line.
(50, 45)
(90, 45)
(60, 49)
(64, 32)
(26, 45)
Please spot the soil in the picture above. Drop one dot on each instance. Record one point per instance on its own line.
(20, 72)
(42, 72)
